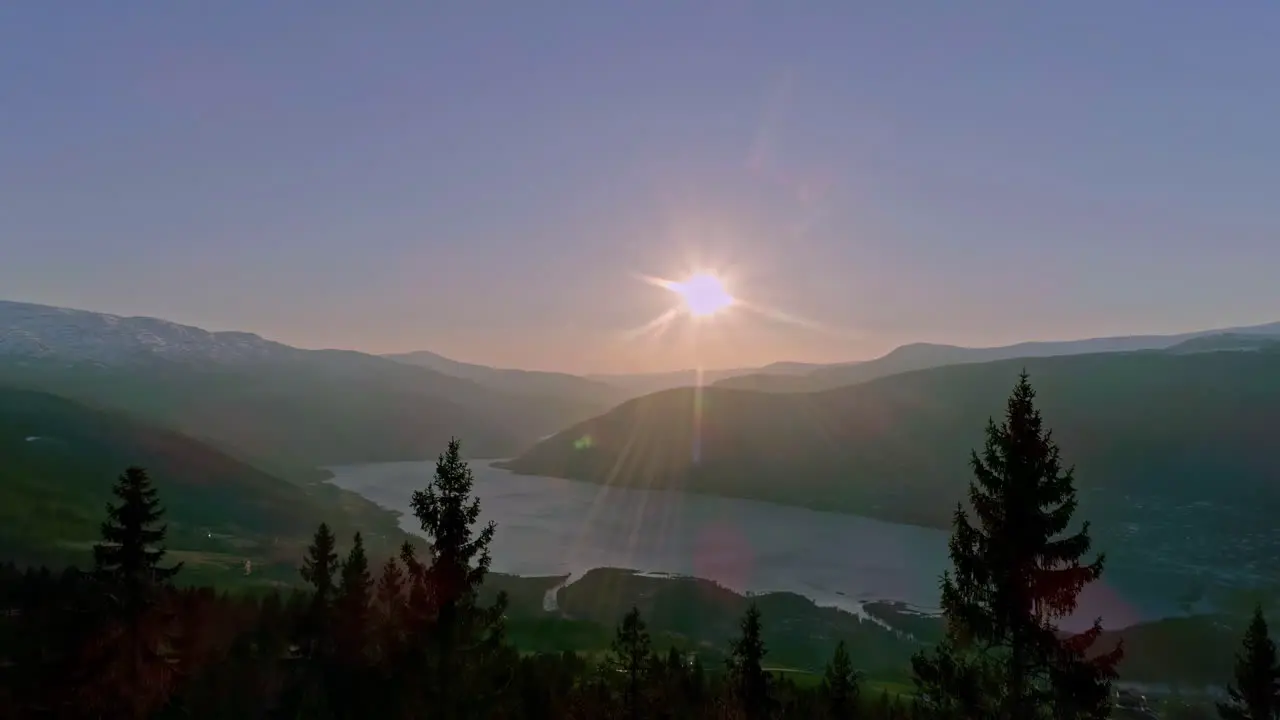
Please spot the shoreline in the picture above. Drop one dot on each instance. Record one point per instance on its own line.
(557, 561)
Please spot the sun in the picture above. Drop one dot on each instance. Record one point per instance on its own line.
(703, 294)
(704, 297)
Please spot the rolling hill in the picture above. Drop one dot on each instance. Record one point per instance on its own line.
(922, 356)
(60, 459)
(273, 404)
(1161, 442)
(637, 384)
(532, 383)
(1241, 342)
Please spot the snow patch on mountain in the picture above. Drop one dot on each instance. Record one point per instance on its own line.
(45, 332)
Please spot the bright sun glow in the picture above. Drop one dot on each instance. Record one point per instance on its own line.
(703, 294)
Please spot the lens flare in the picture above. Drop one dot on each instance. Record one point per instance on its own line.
(703, 294)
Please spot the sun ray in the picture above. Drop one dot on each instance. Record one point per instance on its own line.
(703, 297)
(785, 317)
(655, 327)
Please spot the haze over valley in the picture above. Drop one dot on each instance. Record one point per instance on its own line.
(841, 496)
(1146, 420)
(652, 361)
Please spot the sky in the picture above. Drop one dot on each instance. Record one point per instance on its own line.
(489, 180)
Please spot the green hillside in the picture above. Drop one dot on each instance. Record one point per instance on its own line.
(327, 408)
(58, 460)
(1159, 440)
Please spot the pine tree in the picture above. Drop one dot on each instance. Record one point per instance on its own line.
(466, 636)
(349, 675)
(131, 661)
(391, 602)
(406, 633)
(320, 565)
(390, 591)
(308, 693)
(417, 602)
(318, 569)
(1015, 574)
(630, 658)
(840, 685)
(128, 559)
(751, 683)
(674, 663)
(1255, 694)
(354, 594)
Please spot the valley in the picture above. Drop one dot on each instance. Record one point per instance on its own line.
(61, 457)
(1172, 451)
(564, 528)
(578, 555)
(829, 508)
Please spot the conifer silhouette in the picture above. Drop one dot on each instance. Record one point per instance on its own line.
(751, 682)
(1015, 573)
(352, 606)
(840, 684)
(1255, 693)
(465, 636)
(128, 559)
(130, 660)
(630, 657)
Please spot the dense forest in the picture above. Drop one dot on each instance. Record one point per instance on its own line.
(412, 636)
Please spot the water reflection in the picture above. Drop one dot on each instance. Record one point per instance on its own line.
(552, 526)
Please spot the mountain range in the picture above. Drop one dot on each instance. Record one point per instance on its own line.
(290, 410)
(268, 402)
(534, 383)
(1167, 432)
(636, 384)
(922, 356)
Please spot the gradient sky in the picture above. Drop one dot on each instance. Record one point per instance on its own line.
(485, 179)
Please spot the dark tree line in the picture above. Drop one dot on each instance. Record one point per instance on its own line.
(411, 638)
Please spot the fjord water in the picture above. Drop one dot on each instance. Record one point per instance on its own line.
(552, 527)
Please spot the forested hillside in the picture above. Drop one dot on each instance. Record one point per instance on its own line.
(59, 459)
(422, 635)
(1185, 427)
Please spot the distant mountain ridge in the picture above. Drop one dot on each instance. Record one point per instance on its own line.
(527, 382)
(922, 356)
(794, 376)
(43, 331)
(264, 400)
(287, 407)
(644, 383)
(1228, 341)
(616, 387)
